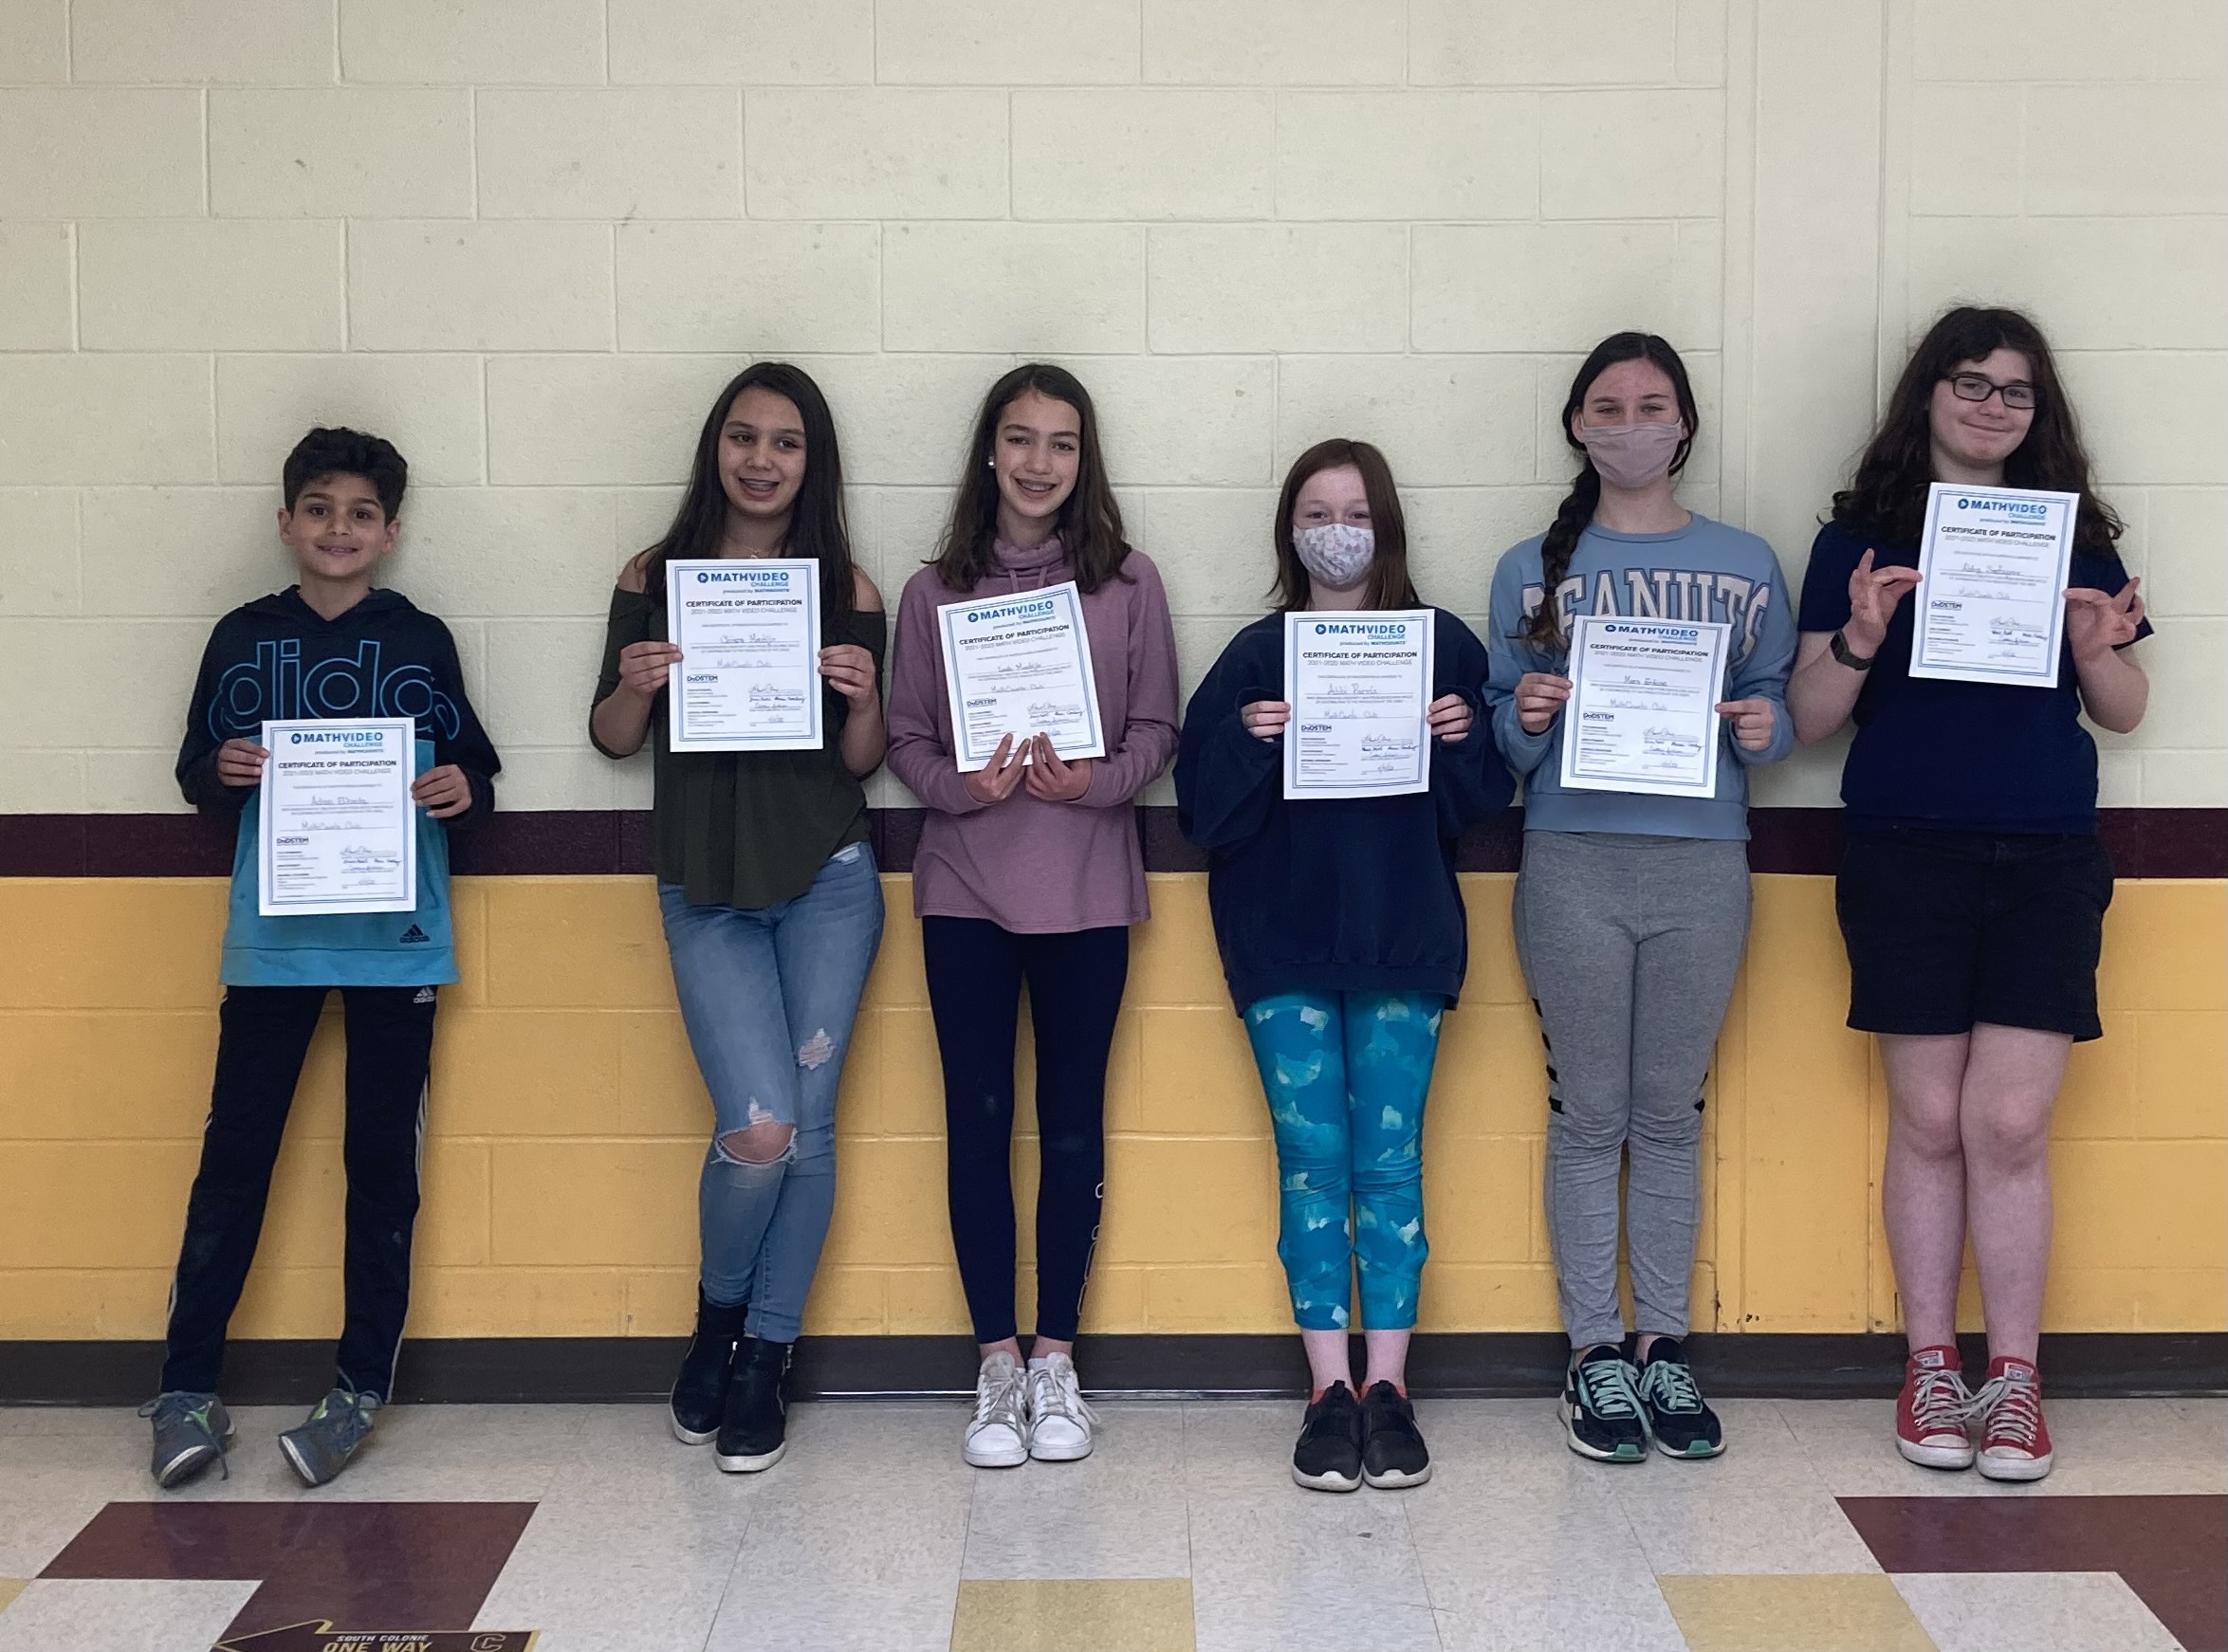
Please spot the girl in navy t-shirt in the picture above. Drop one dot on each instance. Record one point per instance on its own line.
(1973, 887)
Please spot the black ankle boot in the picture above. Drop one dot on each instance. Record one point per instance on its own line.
(700, 1392)
(753, 1432)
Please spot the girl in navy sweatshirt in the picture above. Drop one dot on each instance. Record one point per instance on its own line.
(1343, 939)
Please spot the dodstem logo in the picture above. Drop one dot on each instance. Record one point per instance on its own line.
(358, 738)
(2028, 509)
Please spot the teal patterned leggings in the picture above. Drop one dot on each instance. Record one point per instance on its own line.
(1345, 1075)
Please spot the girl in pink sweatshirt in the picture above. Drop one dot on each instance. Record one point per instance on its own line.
(1030, 869)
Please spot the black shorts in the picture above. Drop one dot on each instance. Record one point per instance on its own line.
(1946, 928)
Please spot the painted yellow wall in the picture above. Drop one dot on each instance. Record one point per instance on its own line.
(569, 1122)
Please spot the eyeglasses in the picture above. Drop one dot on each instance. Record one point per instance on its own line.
(1971, 387)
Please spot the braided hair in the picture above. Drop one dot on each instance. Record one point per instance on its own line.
(1544, 629)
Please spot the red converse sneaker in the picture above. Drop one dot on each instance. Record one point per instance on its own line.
(1930, 1413)
(2015, 1441)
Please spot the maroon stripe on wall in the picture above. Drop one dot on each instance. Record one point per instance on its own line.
(584, 842)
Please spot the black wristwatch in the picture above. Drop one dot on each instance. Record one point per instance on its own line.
(1854, 662)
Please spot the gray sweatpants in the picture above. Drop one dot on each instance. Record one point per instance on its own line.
(1629, 944)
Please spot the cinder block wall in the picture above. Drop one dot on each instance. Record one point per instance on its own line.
(528, 238)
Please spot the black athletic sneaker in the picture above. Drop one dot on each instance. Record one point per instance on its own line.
(753, 1433)
(1329, 1455)
(700, 1392)
(1393, 1453)
(1601, 1408)
(1680, 1419)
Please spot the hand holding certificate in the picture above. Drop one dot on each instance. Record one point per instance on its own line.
(337, 830)
(1359, 688)
(1019, 665)
(749, 629)
(1993, 564)
(1642, 709)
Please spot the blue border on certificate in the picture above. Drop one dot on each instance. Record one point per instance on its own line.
(2046, 676)
(677, 739)
(400, 731)
(1408, 619)
(1065, 595)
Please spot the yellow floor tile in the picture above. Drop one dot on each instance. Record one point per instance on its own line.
(1858, 1612)
(1130, 1614)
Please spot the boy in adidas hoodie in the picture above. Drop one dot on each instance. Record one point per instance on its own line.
(330, 646)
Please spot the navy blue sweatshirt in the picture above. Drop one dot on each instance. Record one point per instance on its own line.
(1333, 894)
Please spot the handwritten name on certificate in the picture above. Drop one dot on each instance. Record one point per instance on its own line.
(750, 635)
(1643, 711)
(336, 830)
(1019, 665)
(1992, 603)
(1359, 685)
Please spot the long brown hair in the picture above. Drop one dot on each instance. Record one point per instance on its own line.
(816, 520)
(1389, 585)
(1887, 495)
(1544, 629)
(1090, 525)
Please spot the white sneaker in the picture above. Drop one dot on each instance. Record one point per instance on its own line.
(1059, 1420)
(998, 1434)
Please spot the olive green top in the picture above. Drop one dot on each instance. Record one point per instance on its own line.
(743, 828)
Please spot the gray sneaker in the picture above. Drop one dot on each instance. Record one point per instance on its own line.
(191, 1432)
(323, 1445)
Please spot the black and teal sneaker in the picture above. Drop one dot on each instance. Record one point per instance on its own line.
(1601, 1407)
(191, 1432)
(1678, 1418)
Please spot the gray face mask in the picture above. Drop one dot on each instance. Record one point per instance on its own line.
(1632, 456)
(1338, 554)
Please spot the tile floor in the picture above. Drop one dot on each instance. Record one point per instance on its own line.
(1182, 1533)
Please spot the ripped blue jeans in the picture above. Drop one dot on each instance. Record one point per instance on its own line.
(768, 995)
(1346, 1075)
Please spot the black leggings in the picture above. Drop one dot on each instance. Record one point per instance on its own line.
(263, 1033)
(1075, 979)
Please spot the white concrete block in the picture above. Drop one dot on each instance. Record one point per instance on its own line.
(1005, 41)
(1700, 53)
(886, 153)
(760, 42)
(1406, 155)
(1633, 154)
(212, 284)
(1275, 286)
(541, 677)
(1144, 154)
(2183, 570)
(2187, 662)
(1032, 288)
(224, 549)
(1574, 43)
(754, 287)
(433, 286)
(2153, 417)
(2092, 284)
(138, 677)
(909, 525)
(1961, 165)
(1213, 546)
(1560, 287)
(1185, 421)
(42, 663)
(2183, 779)
(2126, 150)
(1442, 421)
(38, 551)
(282, 41)
(616, 152)
(45, 782)
(341, 151)
(35, 278)
(904, 420)
(428, 406)
(495, 552)
(490, 42)
(92, 419)
(133, 782)
(598, 420)
(565, 777)
(1456, 536)
(1309, 43)
(84, 152)
(34, 40)
(2012, 41)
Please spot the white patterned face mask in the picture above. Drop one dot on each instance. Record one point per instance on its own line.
(1337, 554)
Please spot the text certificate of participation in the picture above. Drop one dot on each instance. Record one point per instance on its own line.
(1019, 665)
(1359, 687)
(1992, 599)
(1643, 711)
(750, 673)
(336, 830)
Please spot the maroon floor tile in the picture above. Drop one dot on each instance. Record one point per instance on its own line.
(363, 1566)
(2172, 1551)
